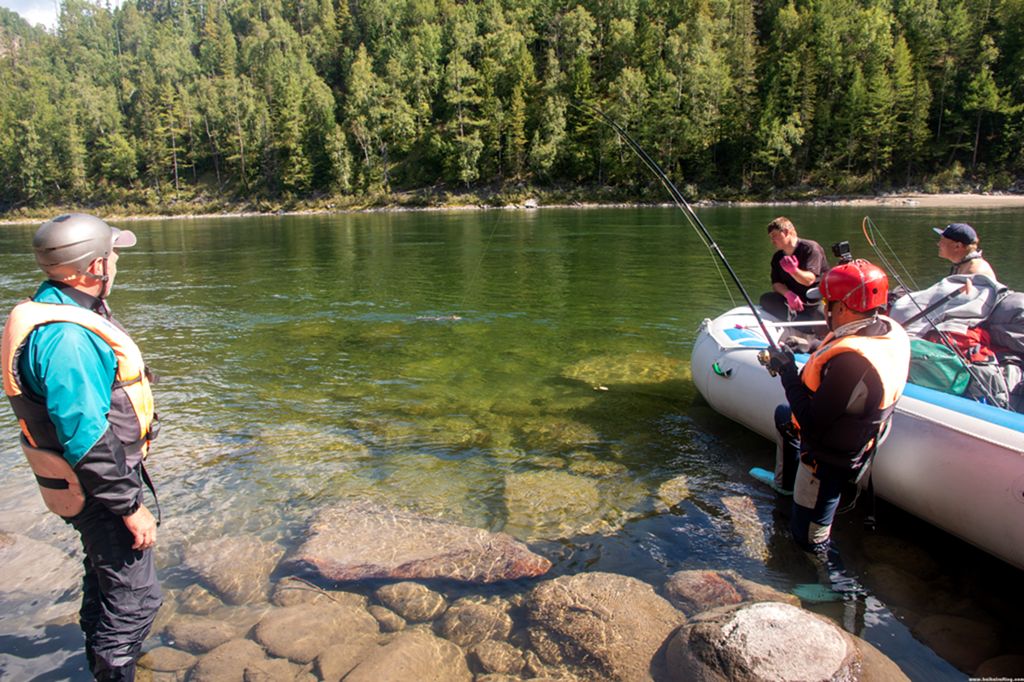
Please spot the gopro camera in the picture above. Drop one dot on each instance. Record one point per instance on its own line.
(841, 250)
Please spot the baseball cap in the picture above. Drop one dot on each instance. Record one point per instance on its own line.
(958, 232)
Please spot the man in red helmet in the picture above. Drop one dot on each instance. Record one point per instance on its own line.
(841, 401)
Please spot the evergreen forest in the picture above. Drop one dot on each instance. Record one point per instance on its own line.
(158, 102)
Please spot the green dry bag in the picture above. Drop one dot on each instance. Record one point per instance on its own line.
(933, 365)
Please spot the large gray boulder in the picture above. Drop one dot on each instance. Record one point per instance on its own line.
(610, 627)
(413, 656)
(363, 540)
(770, 641)
(301, 633)
(237, 568)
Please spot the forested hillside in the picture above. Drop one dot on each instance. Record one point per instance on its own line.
(178, 100)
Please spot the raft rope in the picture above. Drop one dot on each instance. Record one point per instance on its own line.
(682, 205)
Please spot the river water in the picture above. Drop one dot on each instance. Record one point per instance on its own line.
(422, 358)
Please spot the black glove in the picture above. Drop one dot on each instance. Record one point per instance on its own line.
(780, 358)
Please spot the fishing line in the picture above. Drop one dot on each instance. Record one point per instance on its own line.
(681, 204)
(869, 228)
(676, 195)
(478, 269)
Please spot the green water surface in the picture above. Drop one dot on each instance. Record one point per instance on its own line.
(524, 371)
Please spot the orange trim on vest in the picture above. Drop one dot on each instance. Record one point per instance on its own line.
(28, 435)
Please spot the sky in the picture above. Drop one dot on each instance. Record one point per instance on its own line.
(35, 11)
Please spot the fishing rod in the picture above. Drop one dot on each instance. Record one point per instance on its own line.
(868, 226)
(681, 204)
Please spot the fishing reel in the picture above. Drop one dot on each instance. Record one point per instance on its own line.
(763, 356)
(782, 356)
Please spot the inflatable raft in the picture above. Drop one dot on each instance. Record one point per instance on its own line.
(954, 462)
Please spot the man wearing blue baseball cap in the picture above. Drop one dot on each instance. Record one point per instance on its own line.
(958, 243)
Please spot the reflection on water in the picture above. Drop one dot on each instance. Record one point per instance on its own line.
(509, 371)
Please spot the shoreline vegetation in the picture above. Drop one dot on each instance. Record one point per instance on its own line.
(240, 108)
(474, 202)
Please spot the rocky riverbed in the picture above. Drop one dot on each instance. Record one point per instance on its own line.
(698, 625)
(379, 594)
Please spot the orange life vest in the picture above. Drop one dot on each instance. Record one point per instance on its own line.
(132, 417)
(851, 443)
(890, 360)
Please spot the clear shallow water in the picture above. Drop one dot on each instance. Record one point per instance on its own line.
(429, 359)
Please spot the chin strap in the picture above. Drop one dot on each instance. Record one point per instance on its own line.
(104, 278)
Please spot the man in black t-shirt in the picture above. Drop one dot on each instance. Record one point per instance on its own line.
(797, 266)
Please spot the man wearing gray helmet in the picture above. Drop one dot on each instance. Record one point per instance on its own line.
(81, 392)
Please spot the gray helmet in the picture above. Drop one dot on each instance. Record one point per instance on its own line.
(66, 245)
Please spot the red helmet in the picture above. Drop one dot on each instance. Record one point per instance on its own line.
(859, 284)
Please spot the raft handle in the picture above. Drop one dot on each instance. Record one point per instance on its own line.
(721, 372)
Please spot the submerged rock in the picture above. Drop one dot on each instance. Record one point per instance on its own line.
(556, 434)
(411, 601)
(883, 549)
(635, 368)
(672, 492)
(388, 620)
(468, 623)
(301, 633)
(551, 504)
(413, 656)
(698, 590)
(198, 600)
(362, 540)
(272, 670)
(228, 662)
(166, 659)
(337, 660)
(771, 641)
(1008, 665)
(199, 634)
(291, 591)
(583, 463)
(963, 642)
(497, 657)
(747, 524)
(899, 588)
(35, 576)
(237, 568)
(435, 487)
(611, 626)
